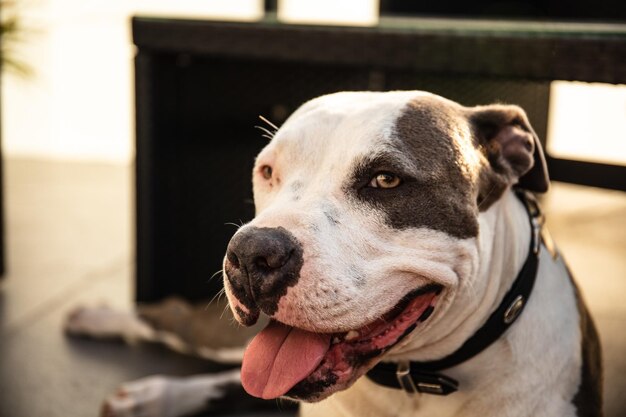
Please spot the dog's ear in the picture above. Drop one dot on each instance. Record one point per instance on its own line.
(511, 146)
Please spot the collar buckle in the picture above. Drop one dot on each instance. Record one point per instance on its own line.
(421, 377)
(424, 382)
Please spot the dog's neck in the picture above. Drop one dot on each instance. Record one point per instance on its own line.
(502, 248)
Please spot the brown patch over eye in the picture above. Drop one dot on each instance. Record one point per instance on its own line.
(434, 191)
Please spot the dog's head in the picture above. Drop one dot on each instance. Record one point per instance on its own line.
(368, 209)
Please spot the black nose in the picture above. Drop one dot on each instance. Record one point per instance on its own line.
(261, 264)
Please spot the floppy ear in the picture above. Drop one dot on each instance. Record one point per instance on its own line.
(511, 146)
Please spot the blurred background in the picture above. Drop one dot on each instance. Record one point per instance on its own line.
(78, 186)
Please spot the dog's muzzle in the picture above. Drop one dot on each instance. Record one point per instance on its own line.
(284, 360)
(261, 264)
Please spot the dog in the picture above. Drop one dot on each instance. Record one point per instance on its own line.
(399, 257)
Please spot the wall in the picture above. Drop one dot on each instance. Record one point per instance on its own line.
(77, 102)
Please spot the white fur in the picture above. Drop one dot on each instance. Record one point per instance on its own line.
(360, 257)
(106, 323)
(163, 396)
(533, 370)
(357, 269)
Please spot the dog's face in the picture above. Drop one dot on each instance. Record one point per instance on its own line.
(368, 211)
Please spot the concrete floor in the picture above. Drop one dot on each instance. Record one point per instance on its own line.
(69, 241)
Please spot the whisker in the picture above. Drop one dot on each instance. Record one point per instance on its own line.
(238, 226)
(267, 134)
(215, 274)
(284, 404)
(216, 296)
(269, 123)
(224, 312)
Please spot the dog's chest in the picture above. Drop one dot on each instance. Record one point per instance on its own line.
(365, 398)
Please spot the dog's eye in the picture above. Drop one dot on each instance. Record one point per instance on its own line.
(385, 180)
(266, 172)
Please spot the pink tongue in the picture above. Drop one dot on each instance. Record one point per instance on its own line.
(279, 357)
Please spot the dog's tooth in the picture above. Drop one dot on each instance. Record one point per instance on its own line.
(336, 340)
(352, 334)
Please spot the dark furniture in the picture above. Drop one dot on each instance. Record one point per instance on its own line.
(581, 10)
(201, 85)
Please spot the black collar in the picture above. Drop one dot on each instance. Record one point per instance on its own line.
(423, 376)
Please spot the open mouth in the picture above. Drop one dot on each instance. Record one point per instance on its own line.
(287, 361)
